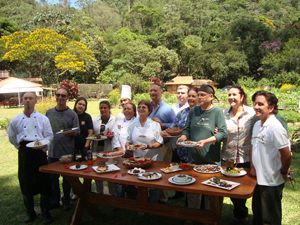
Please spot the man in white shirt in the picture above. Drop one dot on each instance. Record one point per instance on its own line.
(125, 98)
(270, 159)
(182, 96)
(27, 127)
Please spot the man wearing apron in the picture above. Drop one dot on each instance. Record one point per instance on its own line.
(27, 127)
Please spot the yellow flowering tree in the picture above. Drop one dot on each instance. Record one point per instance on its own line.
(45, 53)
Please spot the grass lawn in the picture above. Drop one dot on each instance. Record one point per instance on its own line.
(13, 212)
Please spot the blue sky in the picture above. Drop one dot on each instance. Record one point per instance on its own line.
(57, 1)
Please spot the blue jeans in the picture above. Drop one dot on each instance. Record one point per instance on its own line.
(131, 190)
(55, 197)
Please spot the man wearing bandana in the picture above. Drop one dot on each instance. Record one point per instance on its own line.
(200, 125)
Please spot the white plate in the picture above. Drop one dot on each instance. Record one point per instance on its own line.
(95, 139)
(67, 131)
(111, 168)
(190, 180)
(137, 148)
(129, 172)
(82, 167)
(44, 143)
(188, 145)
(242, 173)
(220, 169)
(142, 178)
(171, 171)
(110, 157)
(210, 183)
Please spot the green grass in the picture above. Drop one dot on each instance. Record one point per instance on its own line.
(13, 212)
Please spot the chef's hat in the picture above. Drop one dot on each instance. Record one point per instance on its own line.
(126, 92)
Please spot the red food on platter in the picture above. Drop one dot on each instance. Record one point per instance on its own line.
(87, 171)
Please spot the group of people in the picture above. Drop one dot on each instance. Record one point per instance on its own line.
(255, 138)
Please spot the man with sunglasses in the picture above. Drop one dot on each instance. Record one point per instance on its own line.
(61, 118)
(27, 127)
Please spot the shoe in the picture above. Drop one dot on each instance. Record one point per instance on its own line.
(29, 218)
(141, 214)
(67, 207)
(236, 221)
(54, 206)
(74, 198)
(177, 195)
(47, 219)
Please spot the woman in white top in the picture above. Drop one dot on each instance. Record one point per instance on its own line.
(237, 145)
(102, 124)
(146, 131)
(118, 142)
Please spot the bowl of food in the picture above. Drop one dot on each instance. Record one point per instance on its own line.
(174, 166)
(65, 159)
(181, 177)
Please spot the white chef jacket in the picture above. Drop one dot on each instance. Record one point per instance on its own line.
(32, 128)
(120, 133)
(110, 124)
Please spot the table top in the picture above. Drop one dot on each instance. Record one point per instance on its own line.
(244, 190)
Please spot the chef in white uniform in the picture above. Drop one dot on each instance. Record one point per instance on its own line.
(145, 131)
(118, 142)
(125, 98)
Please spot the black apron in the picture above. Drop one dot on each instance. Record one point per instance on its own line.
(33, 182)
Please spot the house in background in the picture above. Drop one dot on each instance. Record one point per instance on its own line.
(173, 84)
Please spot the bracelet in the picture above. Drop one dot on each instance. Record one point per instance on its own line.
(283, 172)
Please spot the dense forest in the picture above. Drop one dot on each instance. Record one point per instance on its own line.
(130, 41)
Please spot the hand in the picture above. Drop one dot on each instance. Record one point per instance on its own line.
(126, 145)
(216, 130)
(180, 139)
(164, 134)
(252, 172)
(149, 146)
(285, 176)
(70, 134)
(201, 144)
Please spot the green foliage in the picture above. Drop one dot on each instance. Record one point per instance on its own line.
(290, 116)
(114, 96)
(284, 77)
(8, 27)
(288, 88)
(4, 123)
(138, 97)
(47, 103)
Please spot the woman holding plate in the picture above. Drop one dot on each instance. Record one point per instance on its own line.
(146, 131)
(102, 124)
(200, 125)
(237, 145)
(118, 142)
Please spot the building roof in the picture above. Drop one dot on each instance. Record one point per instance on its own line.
(15, 85)
(183, 80)
(203, 81)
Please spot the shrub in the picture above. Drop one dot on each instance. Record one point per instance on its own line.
(138, 97)
(73, 88)
(288, 88)
(4, 124)
(47, 103)
(114, 96)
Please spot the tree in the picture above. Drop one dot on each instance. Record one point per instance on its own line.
(45, 53)
(8, 27)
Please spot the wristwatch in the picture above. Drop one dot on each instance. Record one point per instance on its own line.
(283, 172)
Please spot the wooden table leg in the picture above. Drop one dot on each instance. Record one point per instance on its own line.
(216, 204)
(142, 194)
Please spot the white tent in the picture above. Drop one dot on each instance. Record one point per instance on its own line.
(15, 85)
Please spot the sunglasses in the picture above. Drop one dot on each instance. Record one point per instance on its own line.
(61, 95)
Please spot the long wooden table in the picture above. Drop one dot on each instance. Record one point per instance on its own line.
(88, 199)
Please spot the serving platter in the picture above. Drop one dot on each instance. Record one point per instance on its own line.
(131, 172)
(141, 177)
(169, 170)
(82, 167)
(209, 182)
(111, 168)
(201, 168)
(239, 174)
(93, 138)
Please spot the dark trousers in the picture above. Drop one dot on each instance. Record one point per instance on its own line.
(55, 198)
(240, 209)
(131, 190)
(266, 205)
(44, 203)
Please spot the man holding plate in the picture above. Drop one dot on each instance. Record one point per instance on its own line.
(61, 118)
(27, 127)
